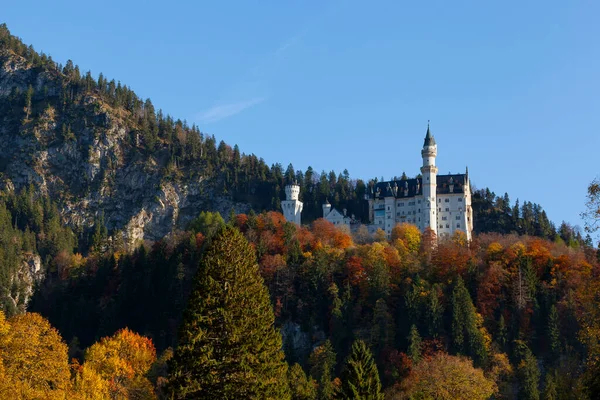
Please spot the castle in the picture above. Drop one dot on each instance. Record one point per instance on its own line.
(439, 202)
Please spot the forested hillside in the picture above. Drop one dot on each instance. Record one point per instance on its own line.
(520, 309)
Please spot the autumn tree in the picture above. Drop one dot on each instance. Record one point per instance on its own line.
(446, 377)
(33, 357)
(228, 346)
(123, 359)
(360, 378)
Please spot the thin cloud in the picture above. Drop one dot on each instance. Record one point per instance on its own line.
(222, 111)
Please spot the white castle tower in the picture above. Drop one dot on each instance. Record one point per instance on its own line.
(292, 207)
(429, 173)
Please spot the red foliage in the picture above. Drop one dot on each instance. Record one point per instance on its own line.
(355, 272)
(396, 365)
(489, 289)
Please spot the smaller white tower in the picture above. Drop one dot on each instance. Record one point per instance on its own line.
(292, 207)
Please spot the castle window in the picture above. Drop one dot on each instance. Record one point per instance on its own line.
(400, 204)
(447, 209)
(440, 209)
(458, 225)
(447, 225)
(439, 200)
(441, 226)
(419, 210)
(388, 208)
(460, 199)
(444, 218)
(447, 200)
(458, 217)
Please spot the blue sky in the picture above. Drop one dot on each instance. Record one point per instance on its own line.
(511, 87)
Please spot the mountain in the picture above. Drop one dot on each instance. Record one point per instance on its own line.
(96, 148)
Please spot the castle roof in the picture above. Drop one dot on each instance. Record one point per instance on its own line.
(415, 188)
(429, 139)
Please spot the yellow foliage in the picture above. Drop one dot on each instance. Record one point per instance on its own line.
(447, 377)
(494, 250)
(89, 385)
(409, 235)
(124, 359)
(34, 357)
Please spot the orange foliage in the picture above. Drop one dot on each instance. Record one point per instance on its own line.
(199, 240)
(327, 234)
(241, 222)
(123, 359)
(450, 259)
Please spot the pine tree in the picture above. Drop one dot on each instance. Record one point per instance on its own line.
(466, 337)
(301, 387)
(414, 344)
(528, 372)
(553, 331)
(360, 378)
(550, 389)
(228, 347)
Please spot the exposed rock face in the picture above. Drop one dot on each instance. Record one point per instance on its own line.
(23, 282)
(89, 159)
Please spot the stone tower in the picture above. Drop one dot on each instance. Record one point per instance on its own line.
(292, 206)
(429, 173)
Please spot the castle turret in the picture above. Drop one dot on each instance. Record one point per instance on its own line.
(292, 206)
(429, 178)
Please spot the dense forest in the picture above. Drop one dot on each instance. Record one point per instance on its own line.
(251, 306)
(516, 314)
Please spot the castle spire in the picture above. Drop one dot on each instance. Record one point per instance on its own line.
(429, 140)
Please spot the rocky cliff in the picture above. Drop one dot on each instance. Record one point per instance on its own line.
(91, 155)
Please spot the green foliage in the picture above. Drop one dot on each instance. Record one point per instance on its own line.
(414, 345)
(360, 378)
(550, 390)
(208, 223)
(554, 332)
(467, 339)
(527, 372)
(301, 386)
(228, 347)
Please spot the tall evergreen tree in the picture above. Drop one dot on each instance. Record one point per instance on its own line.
(466, 337)
(360, 378)
(414, 344)
(553, 332)
(228, 347)
(528, 373)
(301, 386)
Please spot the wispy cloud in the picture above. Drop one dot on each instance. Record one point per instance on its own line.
(221, 111)
(253, 86)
